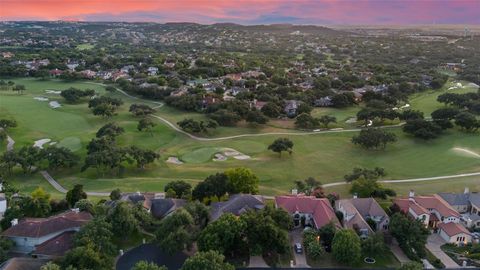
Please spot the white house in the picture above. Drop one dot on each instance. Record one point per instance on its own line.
(454, 233)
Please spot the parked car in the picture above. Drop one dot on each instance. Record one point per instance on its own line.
(298, 248)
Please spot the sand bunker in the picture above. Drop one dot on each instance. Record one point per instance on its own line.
(219, 157)
(235, 154)
(41, 142)
(54, 104)
(41, 98)
(351, 120)
(174, 160)
(55, 92)
(465, 152)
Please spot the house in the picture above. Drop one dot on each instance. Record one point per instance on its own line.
(308, 210)
(323, 102)
(29, 233)
(55, 72)
(258, 104)
(352, 219)
(363, 214)
(467, 204)
(90, 74)
(237, 204)
(152, 71)
(454, 233)
(197, 82)
(160, 208)
(234, 76)
(179, 92)
(291, 107)
(3, 204)
(432, 210)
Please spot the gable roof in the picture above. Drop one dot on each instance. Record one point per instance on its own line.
(23, 263)
(352, 218)
(38, 227)
(320, 208)
(455, 198)
(56, 246)
(162, 207)
(452, 229)
(237, 204)
(421, 204)
(368, 207)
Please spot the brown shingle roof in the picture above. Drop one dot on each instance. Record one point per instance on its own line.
(452, 229)
(38, 227)
(56, 246)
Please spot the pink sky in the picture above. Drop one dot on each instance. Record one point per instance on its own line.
(248, 11)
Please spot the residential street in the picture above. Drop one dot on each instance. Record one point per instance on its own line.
(433, 244)
(300, 259)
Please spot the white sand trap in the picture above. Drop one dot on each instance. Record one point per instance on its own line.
(465, 152)
(52, 143)
(55, 92)
(219, 157)
(41, 142)
(41, 98)
(351, 120)
(54, 104)
(231, 153)
(242, 157)
(174, 160)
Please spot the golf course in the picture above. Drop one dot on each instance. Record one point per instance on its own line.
(324, 155)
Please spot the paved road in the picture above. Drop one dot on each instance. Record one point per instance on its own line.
(300, 259)
(433, 245)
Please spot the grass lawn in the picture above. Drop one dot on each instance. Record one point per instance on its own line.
(384, 260)
(326, 156)
(132, 241)
(427, 101)
(85, 46)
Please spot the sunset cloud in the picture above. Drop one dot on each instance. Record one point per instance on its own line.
(248, 11)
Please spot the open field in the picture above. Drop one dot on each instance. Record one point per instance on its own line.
(325, 156)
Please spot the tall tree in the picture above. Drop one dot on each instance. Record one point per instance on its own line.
(280, 145)
(75, 194)
(242, 180)
(346, 247)
(175, 232)
(374, 138)
(210, 260)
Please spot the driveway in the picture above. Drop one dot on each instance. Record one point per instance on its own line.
(257, 261)
(300, 259)
(434, 243)
(398, 252)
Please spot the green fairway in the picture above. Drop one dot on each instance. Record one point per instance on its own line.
(325, 156)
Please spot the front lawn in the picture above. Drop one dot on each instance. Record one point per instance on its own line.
(383, 260)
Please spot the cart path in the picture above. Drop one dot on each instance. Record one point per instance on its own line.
(61, 189)
(177, 129)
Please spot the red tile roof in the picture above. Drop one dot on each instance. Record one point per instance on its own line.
(320, 208)
(421, 204)
(452, 229)
(38, 227)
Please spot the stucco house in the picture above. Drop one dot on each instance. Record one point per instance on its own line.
(432, 209)
(309, 210)
(454, 233)
(467, 204)
(29, 233)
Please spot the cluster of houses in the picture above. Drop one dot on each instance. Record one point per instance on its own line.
(447, 214)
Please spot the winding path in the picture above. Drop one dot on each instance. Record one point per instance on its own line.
(177, 129)
(61, 189)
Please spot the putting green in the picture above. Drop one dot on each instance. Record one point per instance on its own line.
(72, 143)
(201, 155)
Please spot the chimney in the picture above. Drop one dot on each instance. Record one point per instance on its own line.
(355, 195)
(466, 191)
(411, 194)
(14, 221)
